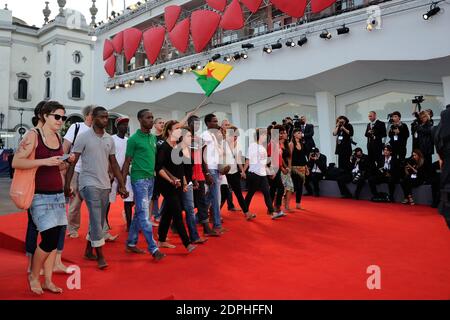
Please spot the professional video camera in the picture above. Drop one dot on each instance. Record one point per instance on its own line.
(418, 100)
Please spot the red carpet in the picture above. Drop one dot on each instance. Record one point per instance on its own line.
(320, 253)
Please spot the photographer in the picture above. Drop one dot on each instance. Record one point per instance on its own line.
(398, 134)
(414, 175)
(317, 165)
(343, 133)
(356, 174)
(442, 140)
(388, 169)
(288, 123)
(307, 134)
(375, 133)
(425, 141)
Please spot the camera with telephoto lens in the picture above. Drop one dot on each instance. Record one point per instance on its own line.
(418, 99)
(314, 154)
(356, 177)
(296, 121)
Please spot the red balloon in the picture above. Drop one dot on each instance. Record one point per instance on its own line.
(217, 4)
(108, 49)
(233, 18)
(131, 40)
(153, 42)
(110, 66)
(179, 36)
(171, 15)
(204, 24)
(252, 5)
(320, 5)
(118, 42)
(293, 8)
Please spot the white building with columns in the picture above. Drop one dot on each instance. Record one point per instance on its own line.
(53, 62)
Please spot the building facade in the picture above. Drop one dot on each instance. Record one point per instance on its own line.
(53, 62)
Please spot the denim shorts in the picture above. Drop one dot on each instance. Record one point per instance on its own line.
(48, 211)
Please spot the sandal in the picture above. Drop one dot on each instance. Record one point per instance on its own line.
(35, 285)
(52, 288)
(411, 201)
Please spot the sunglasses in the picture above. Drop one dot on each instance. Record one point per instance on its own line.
(58, 117)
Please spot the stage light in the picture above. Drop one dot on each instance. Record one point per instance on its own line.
(326, 35)
(184, 70)
(244, 55)
(172, 72)
(276, 46)
(132, 82)
(267, 50)
(371, 25)
(108, 89)
(343, 30)
(216, 57)
(290, 43)
(227, 58)
(303, 40)
(117, 86)
(248, 46)
(199, 67)
(160, 74)
(236, 56)
(434, 9)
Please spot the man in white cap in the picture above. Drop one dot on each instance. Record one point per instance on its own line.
(120, 141)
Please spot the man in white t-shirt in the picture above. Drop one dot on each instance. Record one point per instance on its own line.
(211, 159)
(120, 141)
(75, 202)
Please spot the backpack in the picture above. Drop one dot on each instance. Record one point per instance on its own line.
(77, 128)
(22, 187)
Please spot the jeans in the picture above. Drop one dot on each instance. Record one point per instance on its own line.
(156, 211)
(143, 191)
(32, 235)
(202, 204)
(213, 197)
(97, 201)
(187, 200)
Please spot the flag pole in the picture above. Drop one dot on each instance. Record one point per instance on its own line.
(200, 105)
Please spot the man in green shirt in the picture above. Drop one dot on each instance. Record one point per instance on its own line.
(141, 151)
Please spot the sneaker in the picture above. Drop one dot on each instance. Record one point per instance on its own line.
(165, 245)
(200, 240)
(134, 250)
(191, 248)
(158, 255)
(277, 215)
(282, 214)
(110, 238)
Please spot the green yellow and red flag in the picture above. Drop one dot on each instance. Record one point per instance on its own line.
(212, 76)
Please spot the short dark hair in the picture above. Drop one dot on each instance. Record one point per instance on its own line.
(396, 113)
(209, 117)
(98, 110)
(50, 107)
(279, 127)
(37, 113)
(192, 119)
(389, 147)
(141, 113)
(358, 150)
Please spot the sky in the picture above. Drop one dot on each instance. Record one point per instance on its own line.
(31, 10)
